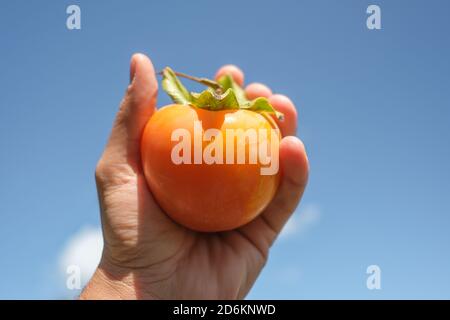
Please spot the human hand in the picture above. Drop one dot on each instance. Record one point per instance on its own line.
(148, 256)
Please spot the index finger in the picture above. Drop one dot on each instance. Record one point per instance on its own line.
(233, 71)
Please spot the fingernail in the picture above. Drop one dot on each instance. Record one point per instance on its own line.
(132, 69)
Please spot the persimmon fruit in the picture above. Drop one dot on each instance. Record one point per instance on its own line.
(198, 194)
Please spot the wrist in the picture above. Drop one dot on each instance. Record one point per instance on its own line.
(109, 283)
(113, 281)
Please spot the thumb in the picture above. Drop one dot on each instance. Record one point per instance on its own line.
(136, 108)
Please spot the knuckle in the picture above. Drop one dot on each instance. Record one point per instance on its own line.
(100, 169)
(113, 174)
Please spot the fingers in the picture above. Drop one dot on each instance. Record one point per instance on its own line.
(136, 108)
(283, 104)
(294, 170)
(232, 70)
(253, 90)
(256, 90)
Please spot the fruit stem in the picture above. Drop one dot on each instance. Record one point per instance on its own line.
(205, 81)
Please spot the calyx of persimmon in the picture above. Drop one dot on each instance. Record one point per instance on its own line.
(223, 94)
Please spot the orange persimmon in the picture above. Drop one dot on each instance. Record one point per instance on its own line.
(192, 155)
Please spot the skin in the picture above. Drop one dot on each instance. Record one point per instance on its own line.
(148, 256)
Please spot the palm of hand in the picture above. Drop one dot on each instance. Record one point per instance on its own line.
(191, 264)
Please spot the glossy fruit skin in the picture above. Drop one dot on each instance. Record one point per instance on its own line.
(205, 197)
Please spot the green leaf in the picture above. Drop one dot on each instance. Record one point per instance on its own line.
(227, 82)
(174, 87)
(263, 105)
(225, 94)
(211, 100)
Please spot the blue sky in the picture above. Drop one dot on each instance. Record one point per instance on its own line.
(374, 113)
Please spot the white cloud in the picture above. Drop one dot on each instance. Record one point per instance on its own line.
(302, 221)
(289, 275)
(82, 250)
